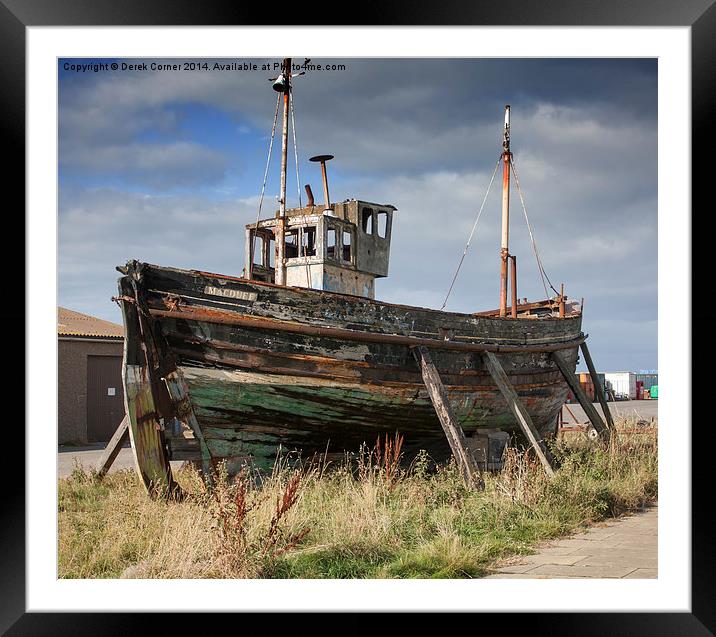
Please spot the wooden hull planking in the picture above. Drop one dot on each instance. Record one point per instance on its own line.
(268, 367)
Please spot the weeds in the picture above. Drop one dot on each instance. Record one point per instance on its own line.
(245, 545)
(370, 518)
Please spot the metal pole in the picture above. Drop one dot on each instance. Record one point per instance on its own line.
(281, 229)
(326, 196)
(513, 283)
(505, 247)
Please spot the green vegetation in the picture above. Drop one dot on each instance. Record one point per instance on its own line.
(366, 519)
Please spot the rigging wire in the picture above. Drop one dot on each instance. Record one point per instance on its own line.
(302, 248)
(295, 151)
(540, 267)
(472, 232)
(263, 187)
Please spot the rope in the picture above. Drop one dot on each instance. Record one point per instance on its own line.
(263, 187)
(540, 267)
(472, 232)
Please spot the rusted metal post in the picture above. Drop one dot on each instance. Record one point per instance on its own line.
(513, 283)
(309, 194)
(561, 301)
(505, 247)
(281, 228)
(326, 195)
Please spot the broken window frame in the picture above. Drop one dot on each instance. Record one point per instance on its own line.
(367, 217)
(260, 251)
(291, 248)
(348, 230)
(304, 241)
(330, 227)
(387, 217)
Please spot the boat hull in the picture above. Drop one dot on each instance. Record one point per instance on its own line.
(266, 367)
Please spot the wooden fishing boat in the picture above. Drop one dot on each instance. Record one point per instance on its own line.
(297, 355)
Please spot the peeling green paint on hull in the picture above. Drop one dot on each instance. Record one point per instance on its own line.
(250, 414)
(269, 367)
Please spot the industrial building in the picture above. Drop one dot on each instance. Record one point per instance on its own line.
(90, 396)
(621, 385)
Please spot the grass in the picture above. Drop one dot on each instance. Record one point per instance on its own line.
(368, 519)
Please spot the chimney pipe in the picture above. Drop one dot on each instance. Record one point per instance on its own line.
(309, 194)
(323, 159)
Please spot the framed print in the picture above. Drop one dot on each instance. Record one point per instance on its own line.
(161, 132)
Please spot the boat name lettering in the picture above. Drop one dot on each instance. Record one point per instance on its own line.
(232, 294)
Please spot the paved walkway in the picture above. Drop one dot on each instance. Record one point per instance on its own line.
(638, 409)
(622, 548)
(90, 455)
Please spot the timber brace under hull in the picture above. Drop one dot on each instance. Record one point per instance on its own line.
(221, 368)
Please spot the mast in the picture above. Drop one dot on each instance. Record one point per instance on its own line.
(283, 84)
(505, 247)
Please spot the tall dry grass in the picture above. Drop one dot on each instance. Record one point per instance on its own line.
(369, 517)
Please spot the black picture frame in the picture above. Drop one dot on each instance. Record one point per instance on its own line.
(700, 15)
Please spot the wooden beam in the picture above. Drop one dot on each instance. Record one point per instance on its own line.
(179, 393)
(453, 432)
(518, 409)
(597, 385)
(579, 394)
(111, 451)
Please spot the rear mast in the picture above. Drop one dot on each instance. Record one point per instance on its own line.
(505, 248)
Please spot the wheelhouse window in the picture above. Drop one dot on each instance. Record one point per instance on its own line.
(367, 220)
(331, 243)
(291, 243)
(270, 252)
(307, 238)
(347, 254)
(261, 247)
(382, 224)
(258, 246)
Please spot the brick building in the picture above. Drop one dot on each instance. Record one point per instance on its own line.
(90, 397)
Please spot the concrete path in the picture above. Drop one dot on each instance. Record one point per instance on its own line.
(639, 409)
(90, 456)
(623, 548)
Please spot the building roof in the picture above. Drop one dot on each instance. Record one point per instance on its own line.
(70, 323)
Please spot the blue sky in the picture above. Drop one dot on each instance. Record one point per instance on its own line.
(167, 166)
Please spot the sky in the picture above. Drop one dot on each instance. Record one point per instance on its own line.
(166, 166)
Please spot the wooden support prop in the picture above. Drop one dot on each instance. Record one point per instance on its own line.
(453, 432)
(179, 393)
(597, 385)
(518, 409)
(579, 394)
(111, 451)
